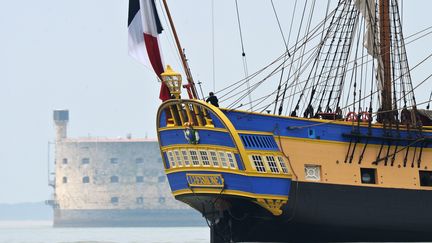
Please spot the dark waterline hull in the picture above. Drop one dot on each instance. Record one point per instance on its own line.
(325, 212)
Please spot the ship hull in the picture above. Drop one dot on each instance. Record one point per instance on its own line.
(323, 212)
(345, 181)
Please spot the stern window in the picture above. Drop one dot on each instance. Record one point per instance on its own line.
(204, 158)
(185, 157)
(178, 158)
(272, 164)
(231, 160)
(194, 157)
(282, 165)
(258, 163)
(214, 158)
(171, 158)
(223, 159)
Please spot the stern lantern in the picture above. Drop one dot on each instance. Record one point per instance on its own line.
(173, 80)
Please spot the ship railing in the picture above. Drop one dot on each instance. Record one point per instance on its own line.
(183, 113)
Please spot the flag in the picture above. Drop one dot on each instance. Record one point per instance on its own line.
(144, 26)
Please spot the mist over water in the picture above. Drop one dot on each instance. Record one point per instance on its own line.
(43, 232)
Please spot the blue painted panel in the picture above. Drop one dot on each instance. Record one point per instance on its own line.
(257, 185)
(162, 120)
(239, 162)
(171, 137)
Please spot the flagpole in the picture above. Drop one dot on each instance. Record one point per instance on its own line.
(182, 55)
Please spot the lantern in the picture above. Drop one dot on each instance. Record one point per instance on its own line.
(173, 81)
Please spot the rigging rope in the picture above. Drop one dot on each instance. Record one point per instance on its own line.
(245, 67)
(213, 45)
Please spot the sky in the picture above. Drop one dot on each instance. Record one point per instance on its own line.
(73, 55)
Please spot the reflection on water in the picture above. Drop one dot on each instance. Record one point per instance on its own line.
(42, 232)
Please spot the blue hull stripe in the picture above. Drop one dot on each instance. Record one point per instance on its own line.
(175, 137)
(309, 129)
(256, 185)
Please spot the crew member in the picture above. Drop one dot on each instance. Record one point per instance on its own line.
(213, 99)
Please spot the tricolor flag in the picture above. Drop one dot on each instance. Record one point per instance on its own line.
(144, 27)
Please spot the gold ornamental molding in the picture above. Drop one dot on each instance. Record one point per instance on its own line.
(272, 205)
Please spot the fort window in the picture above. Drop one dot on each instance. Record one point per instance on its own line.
(368, 176)
(65, 161)
(231, 160)
(161, 199)
(85, 161)
(313, 172)
(139, 160)
(86, 179)
(114, 179)
(139, 179)
(161, 179)
(114, 161)
(114, 200)
(425, 178)
(272, 164)
(140, 200)
(64, 179)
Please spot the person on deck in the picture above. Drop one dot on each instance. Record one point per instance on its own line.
(212, 99)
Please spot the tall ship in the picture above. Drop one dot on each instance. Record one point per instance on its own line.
(339, 150)
(111, 182)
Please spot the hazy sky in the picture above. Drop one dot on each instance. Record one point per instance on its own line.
(64, 54)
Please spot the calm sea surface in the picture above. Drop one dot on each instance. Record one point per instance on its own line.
(41, 232)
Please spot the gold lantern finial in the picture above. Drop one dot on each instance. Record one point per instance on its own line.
(173, 81)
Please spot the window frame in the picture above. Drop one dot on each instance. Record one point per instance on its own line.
(186, 157)
(171, 159)
(178, 157)
(282, 165)
(197, 157)
(232, 163)
(212, 158)
(204, 157)
(272, 164)
(256, 165)
(223, 159)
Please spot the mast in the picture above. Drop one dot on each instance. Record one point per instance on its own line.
(384, 24)
(182, 55)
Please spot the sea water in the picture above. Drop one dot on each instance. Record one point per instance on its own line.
(43, 232)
